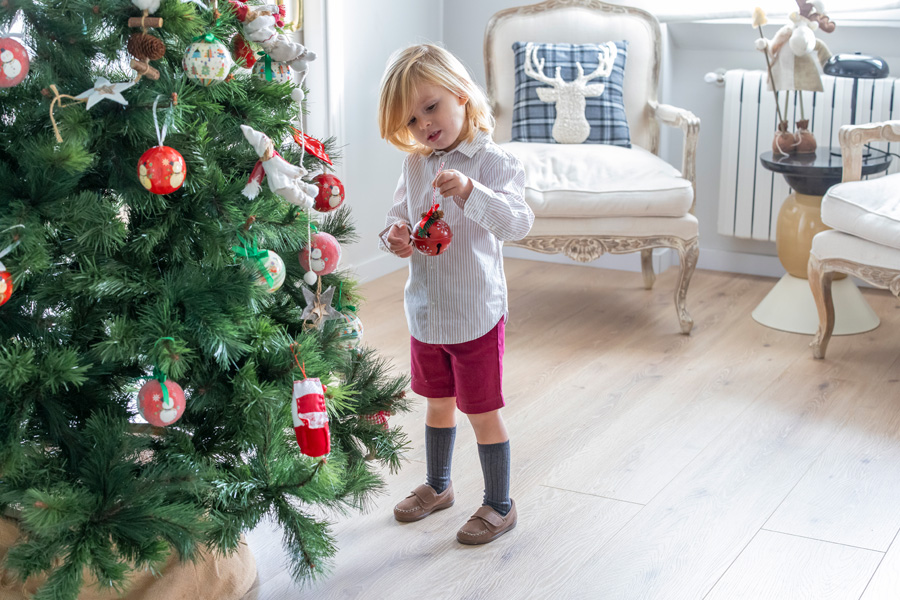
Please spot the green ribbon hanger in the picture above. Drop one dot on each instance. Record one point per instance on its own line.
(255, 255)
(160, 376)
(206, 37)
(267, 60)
(340, 306)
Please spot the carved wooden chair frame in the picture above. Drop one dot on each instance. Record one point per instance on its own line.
(821, 272)
(585, 248)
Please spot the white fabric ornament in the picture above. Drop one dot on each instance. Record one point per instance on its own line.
(285, 179)
(259, 26)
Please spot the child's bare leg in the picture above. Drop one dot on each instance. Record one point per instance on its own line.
(489, 427)
(441, 412)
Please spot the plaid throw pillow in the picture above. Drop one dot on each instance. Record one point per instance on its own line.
(533, 119)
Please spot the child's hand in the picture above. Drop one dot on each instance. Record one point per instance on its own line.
(453, 183)
(399, 241)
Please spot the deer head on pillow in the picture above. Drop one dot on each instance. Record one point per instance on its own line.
(571, 126)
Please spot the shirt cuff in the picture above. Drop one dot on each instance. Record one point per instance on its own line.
(476, 206)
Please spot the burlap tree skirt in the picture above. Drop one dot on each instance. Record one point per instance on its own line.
(215, 577)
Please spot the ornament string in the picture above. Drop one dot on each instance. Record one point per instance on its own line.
(254, 255)
(161, 136)
(57, 99)
(434, 212)
(11, 247)
(297, 360)
(160, 376)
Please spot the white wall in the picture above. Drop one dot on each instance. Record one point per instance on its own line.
(366, 33)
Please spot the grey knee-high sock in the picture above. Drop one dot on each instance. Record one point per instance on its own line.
(439, 456)
(495, 466)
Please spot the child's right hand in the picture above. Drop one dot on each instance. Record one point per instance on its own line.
(399, 240)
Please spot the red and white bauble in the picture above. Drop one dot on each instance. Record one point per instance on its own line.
(331, 192)
(432, 239)
(280, 72)
(274, 266)
(6, 286)
(154, 407)
(162, 170)
(379, 418)
(207, 61)
(310, 417)
(242, 50)
(350, 331)
(14, 62)
(322, 255)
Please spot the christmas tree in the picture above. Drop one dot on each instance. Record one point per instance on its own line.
(139, 259)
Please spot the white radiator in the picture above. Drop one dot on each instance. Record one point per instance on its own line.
(749, 194)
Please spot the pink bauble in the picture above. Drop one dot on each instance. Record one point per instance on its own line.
(14, 62)
(331, 192)
(162, 170)
(152, 406)
(322, 255)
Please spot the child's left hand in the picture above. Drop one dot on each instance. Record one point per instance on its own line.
(453, 183)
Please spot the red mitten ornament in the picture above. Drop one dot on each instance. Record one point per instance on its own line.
(159, 408)
(242, 50)
(310, 417)
(162, 169)
(331, 192)
(432, 235)
(6, 285)
(322, 255)
(14, 62)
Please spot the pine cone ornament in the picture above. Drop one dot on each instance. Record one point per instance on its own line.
(144, 46)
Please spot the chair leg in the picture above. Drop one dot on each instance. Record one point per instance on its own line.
(688, 255)
(820, 284)
(647, 268)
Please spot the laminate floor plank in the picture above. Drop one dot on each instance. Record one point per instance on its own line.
(775, 565)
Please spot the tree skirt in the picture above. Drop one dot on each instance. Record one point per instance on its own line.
(213, 577)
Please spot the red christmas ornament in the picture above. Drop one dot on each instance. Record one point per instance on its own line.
(311, 145)
(310, 417)
(331, 192)
(14, 62)
(6, 287)
(322, 255)
(162, 170)
(154, 407)
(432, 235)
(242, 50)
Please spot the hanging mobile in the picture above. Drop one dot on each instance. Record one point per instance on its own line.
(161, 169)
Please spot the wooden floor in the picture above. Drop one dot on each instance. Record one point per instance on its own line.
(723, 465)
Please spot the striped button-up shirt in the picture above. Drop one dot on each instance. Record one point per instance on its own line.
(460, 294)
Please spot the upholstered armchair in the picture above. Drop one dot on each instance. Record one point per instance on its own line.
(865, 217)
(590, 199)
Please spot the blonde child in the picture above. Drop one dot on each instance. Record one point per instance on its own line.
(455, 302)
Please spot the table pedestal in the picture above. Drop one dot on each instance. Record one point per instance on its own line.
(790, 307)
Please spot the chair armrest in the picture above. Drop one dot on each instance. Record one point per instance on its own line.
(854, 137)
(690, 125)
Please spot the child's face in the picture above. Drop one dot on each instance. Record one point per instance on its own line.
(439, 117)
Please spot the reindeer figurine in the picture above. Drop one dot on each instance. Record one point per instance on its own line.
(570, 126)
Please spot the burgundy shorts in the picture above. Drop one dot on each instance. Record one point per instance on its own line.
(472, 371)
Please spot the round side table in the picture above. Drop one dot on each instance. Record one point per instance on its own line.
(789, 306)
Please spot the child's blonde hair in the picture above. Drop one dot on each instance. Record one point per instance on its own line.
(426, 63)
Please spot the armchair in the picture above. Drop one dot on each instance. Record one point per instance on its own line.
(865, 239)
(590, 199)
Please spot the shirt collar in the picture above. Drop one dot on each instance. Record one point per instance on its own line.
(468, 147)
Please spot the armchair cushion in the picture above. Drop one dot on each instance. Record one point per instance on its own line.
(579, 181)
(533, 119)
(867, 209)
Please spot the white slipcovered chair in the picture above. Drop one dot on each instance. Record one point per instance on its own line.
(865, 217)
(589, 199)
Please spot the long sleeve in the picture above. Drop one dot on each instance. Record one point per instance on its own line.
(399, 212)
(498, 204)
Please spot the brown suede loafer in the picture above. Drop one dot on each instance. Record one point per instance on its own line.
(422, 502)
(486, 525)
